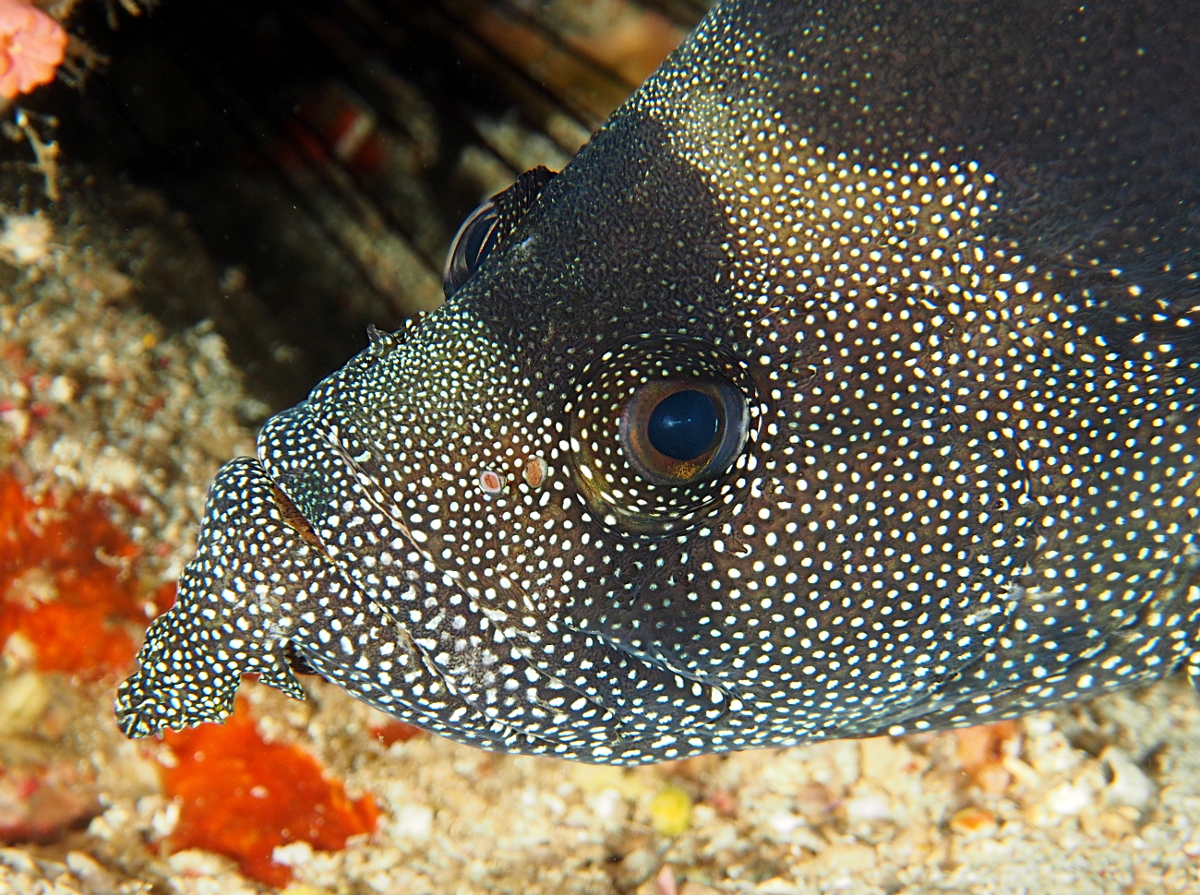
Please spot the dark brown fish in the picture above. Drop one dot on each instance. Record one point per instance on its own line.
(845, 384)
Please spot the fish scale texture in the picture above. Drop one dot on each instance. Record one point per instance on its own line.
(937, 266)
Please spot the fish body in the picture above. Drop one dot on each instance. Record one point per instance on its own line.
(846, 383)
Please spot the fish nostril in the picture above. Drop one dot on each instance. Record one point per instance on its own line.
(534, 471)
(491, 483)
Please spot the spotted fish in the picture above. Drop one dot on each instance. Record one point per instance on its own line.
(846, 383)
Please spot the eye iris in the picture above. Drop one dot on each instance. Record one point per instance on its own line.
(683, 425)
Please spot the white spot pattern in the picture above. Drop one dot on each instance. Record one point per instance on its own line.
(949, 269)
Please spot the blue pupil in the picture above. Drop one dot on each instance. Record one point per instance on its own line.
(683, 425)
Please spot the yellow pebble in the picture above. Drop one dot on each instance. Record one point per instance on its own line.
(671, 811)
(972, 821)
(303, 889)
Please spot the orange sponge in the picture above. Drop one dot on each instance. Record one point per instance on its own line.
(31, 47)
(67, 584)
(241, 796)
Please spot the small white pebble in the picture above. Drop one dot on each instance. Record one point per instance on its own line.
(293, 854)
(164, 820)
(212, 346)
(113, 472)
(1068, 799)
(413, 822)
(607, 803)
(95, 877)
(868, 808)
(1130, 785)
(61, 390)
(17, 420)
(26, 238)
(23, 701)
(194, 862)
(784, 824)
(115, 819)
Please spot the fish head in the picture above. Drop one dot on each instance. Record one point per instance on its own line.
(844, 384)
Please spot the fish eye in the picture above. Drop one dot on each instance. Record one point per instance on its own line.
(472, 243)
(489, 225)
(658, 428)
(683, 425)
(679, 431)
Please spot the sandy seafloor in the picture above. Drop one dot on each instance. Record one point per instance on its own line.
(1100, 798)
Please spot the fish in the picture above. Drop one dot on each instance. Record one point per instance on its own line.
(846, 383)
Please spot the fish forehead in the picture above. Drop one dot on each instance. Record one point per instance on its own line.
(945, 251)
(837, 134)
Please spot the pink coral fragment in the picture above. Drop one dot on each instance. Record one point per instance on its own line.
(31, 47)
